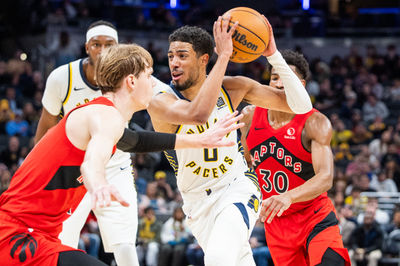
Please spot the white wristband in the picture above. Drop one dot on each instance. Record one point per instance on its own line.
(296, 95)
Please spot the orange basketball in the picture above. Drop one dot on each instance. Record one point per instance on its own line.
(251, 36)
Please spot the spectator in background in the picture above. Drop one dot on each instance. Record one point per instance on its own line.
(381, 183)
(148, 241)
(6, 114)
(5, 178)
(194, 254)
(340, 134)
(140, 182)
(393, 171)
(355, 200)
(373, 108)
(379, 146)
(163, 187)
(174, 239)
(63, 50)
(18, 126)
(153, 199)
(366, 242)
(11, 97)
(347, 223)
(380, 216)
(10, 156)
(258, 245)
(90, 239)
(391, 242)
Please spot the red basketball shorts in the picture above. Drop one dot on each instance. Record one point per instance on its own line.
(302, 238)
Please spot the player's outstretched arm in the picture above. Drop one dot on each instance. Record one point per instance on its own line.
(319, 130)
(149, 141)
(46, 121)
(167, 109)
(104, 127)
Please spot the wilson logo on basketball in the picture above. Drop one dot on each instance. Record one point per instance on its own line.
(241, 38)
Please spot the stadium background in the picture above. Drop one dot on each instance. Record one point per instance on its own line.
(351, 46)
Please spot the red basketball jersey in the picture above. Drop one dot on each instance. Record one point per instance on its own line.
(48, 186)
(280, 160)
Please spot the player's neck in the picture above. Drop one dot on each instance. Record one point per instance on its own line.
(191, 92)
(122, 102)
(88, 71)
(279, 119)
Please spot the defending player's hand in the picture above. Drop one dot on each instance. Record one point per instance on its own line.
(215, 136)
(223, 36)
(103, 195)
(271, 48)
(275, 205)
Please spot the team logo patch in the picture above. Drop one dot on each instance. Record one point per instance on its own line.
(23, 240)
(254, 203)
(220, 103)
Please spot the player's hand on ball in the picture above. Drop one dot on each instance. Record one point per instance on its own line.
(103, 195)
(274, 205)
(271, 47)
(223, 36)
(215, 136)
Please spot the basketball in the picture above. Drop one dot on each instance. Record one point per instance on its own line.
(251, 36)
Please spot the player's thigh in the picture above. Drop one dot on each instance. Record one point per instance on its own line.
(118, 224)
(77, 258)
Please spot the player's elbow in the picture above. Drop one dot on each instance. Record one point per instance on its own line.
(328, 181)
(199, 118)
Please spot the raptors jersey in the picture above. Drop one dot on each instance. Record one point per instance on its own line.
(67, 88)
(278, 155)
(199, 170)
(48, 183)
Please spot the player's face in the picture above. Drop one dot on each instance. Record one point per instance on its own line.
(276, 81)
(184, 65)
(96, 45)
(144, 88)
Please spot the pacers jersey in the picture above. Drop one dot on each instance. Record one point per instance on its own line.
(199, 170)
(67, 88)
(48, 183)
(280, 160)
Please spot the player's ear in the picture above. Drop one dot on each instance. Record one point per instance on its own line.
(204, 59)
(87, 48)
(303, 81)
(130, 81)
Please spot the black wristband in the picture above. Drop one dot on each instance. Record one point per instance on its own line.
(146, 141)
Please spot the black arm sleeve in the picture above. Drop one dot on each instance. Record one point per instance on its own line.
(146, 141)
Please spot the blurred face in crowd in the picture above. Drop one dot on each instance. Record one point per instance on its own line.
(96, 45)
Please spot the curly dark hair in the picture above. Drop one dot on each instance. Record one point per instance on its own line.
(296, 59)
(200, 39)
(101, 22)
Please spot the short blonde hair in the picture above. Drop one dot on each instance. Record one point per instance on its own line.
(117, 62)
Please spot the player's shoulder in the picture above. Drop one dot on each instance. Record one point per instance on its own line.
(61, 73)
(318, 125)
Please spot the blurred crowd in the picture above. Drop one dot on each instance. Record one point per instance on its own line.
(358, 90)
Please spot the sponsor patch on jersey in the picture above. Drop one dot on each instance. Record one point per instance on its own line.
(220, 103)
(290, 133)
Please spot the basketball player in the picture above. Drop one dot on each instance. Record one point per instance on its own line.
(293, 160)
(220, 200)
(76, 150)
(67, 87)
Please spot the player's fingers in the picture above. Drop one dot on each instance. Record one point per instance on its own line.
(233, 28)
(215, 28)
(272, 215)
(264, 207)
(225, 23)
(280, 212)
(231, 118)
(271, 208)
(107, 198)
(94, 201)
(117, 197)
(100, 199)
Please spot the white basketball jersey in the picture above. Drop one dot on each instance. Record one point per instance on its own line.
(80, 91)
(199, 170)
